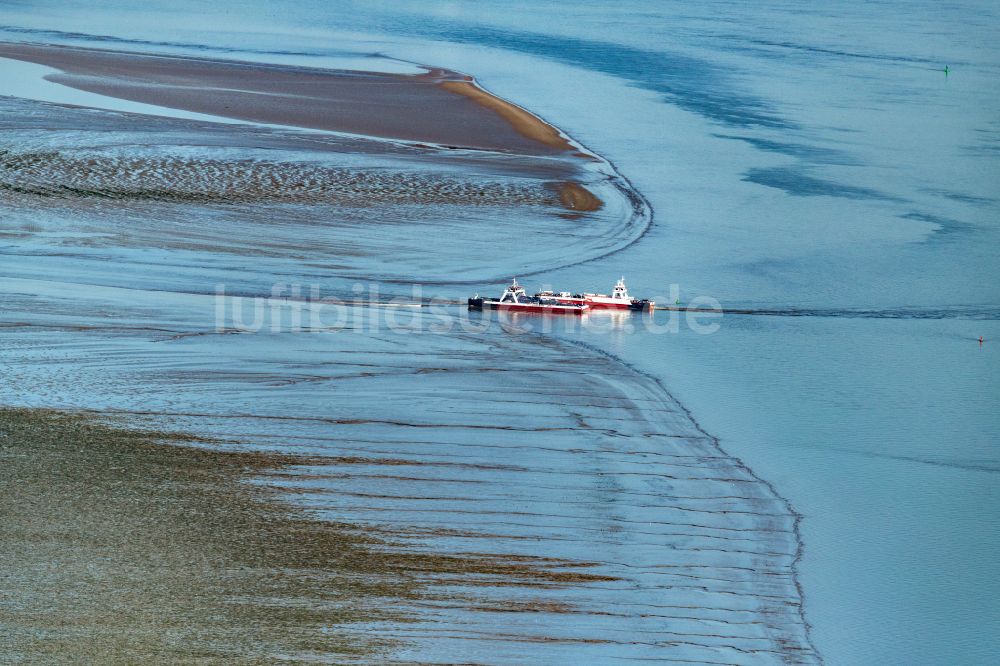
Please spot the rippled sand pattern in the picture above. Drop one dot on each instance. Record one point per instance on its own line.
(89, 186)
(214, 181)
(557, 505)
(252, 578)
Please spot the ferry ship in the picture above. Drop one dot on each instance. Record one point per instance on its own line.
(618, 300)
(514, 299)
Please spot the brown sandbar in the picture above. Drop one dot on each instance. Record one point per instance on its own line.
(440, 106)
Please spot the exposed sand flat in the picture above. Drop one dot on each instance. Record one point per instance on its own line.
(574, 196)
(441, 106)
(251, 578)
(103, 560)
(527, 124)
(91, 186)
(201, 180)
(555, 505)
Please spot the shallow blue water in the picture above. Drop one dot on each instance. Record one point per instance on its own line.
(795, 157)
(883, 433)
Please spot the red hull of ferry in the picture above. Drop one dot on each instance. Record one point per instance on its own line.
(598, 305)
(542, 309)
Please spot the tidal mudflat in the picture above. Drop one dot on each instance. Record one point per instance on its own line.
(369, 204)
(539, 499)
(406, 485)
(835, 167)
(121, 546)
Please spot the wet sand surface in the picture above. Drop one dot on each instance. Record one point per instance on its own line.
(440, 106)
(88, 185)
(208, 181)
(121, 545)
(351, 484)
(549, 502)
